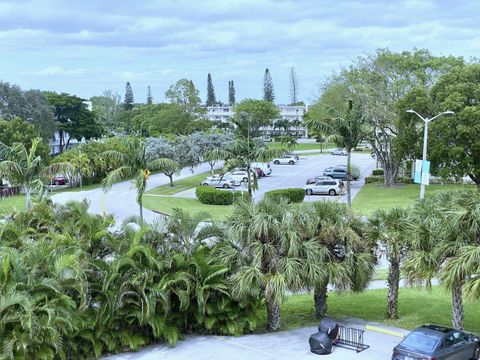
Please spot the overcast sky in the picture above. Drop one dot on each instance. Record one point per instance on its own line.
(85, 47)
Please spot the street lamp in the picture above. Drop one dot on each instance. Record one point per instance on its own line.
(425, 137)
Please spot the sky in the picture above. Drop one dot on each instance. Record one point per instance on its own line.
(86, 47)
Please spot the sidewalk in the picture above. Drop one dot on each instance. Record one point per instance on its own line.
(287, 345)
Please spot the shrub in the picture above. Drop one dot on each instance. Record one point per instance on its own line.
(355, 172)
(211, 196)
(376, 172)
(293, 195)
(374, 179)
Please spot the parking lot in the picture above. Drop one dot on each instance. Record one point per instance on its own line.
(291, 176)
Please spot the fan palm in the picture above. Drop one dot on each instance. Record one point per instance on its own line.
(132, 163)
(81, 165)
(347, 130)
(343, 252)
(242, 153)
(265, 252)
(387, 229)
(22, 167)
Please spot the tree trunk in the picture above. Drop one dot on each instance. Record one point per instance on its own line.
(171, 179)
(27, 195)
(60, 134)
(393, 282)
(68, 143)
(273, 315)
(320, 299)
(349, 170)
(457, 306)
(249, 183)
(141, 209)
(81, 183)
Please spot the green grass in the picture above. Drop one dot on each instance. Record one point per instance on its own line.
(180, 185)
(9, 204)
(416, 306)
(166, 204)
(375, 196)
(303, 146)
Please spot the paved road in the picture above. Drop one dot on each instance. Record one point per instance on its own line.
(284, 345)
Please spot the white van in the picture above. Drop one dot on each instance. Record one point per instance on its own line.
(266, 168)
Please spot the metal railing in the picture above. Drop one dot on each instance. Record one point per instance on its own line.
(350, 338)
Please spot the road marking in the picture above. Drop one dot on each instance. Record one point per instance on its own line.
(384, 331)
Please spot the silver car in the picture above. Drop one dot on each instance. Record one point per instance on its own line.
(284, 160)
(219, 181)
(339, 151)
(331, 187)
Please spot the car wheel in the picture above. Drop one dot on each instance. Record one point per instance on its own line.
(476, 353)
(291, 162)
(225, 186)
(57, 182)
(244, 179)
(276, 162)
(309, 192)
(332, 192)
(205, 184)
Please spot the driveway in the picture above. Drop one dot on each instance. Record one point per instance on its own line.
(283, 345)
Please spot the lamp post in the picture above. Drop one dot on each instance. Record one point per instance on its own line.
(425, 138)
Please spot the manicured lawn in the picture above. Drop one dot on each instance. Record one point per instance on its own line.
(416, 306)
(8, 204)
(308, 146)
(166, 204)
(180, 185)
(375, 196)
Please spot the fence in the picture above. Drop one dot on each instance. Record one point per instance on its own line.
(350, 338)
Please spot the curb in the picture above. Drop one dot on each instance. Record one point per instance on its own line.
(384, 331)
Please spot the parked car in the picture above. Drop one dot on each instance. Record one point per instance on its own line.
(284, 160)
(292, 154)
(60, 180)
(317, 179)
(336, 172)
(339, 151)
(266, 168)
(330, 187)
(239, 175)
(439, 343)
(220, 181)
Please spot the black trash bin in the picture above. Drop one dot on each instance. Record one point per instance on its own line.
(329, 327)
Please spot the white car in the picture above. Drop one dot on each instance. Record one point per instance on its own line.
(265, 167)
(339, 151)
(220, 181)
(331, 187)
(285, 160)
(239, 175)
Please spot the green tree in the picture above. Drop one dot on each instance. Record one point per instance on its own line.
(74, 120)
(24, 168)
(107, 107)
(30, 105)
(268, 92)
(81, 165)
(149, 96)
(211, 100)
(293, 87)
(347, 129)
(184, 94)
(387, 228)
(454, 144)
(20, 131)
(128, 101)
(231, 93)
(132, 163)
(250, 115)
(265, 253)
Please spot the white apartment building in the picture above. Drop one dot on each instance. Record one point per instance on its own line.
(294, 114)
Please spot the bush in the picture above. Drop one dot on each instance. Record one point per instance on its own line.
(376, 172)
(293, 195)
(355, 172)
(211, 196)
(374, 179)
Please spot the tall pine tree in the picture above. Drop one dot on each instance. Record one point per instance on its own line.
(231, 93)
(128, 102)
(211, 101)
(293, 87)
(149, 96)
(268, 93)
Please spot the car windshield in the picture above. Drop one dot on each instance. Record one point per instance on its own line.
(420, 341)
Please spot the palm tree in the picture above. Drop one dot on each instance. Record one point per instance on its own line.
(81, 165)
(266, 253)
(22, 167)
(242, 153)
(343, 254)
(444, 240)
(387, 229)
(347, 130)
(132, 163)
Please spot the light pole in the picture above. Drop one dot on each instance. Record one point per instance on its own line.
(425, 138)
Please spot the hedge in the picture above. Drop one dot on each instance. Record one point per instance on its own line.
(212, 196)
(376, 172)
(293, 195)
(380, 179)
